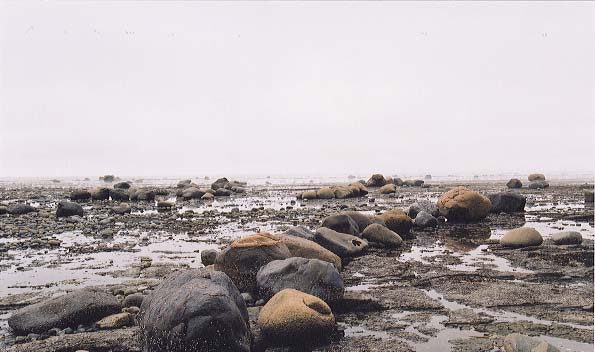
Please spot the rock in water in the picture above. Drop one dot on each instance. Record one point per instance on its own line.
(507, 202)
(20, 209)
(341, 223)
(514, 183)
(341, 244)
(521, 237)
(461, 204)
(377, 180)
(194, 310)
(244, 257)
(66, 209)
(536, 177)
(301, 247)
(381, 234)
(423, 204)
(424, 220)
(522, 343)
(396, 220)
(78, 307)
(567, 238)
(292, 317)
(312, 276)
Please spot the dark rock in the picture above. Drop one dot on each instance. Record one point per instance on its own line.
(80, 195)
(425, 219)
(381, 234)
(300, 231)
(341, 223)
(423, 204)
(192, 193)
(362, 220)
(341, 244)
(122, 185)
(377, 180)
(133, 300)
(507, 202)
(194, 310)
(120, 195)
(66, 209)
(101, 193)
(208, 256)
(514, 183)
(588, 196)
(396, 220)
(20, 209)
(144, 195)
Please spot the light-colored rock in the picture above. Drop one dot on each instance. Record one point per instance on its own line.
(521, 237)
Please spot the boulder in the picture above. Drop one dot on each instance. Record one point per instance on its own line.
(80, 195)
(292, 317)
(164, 204)
(244, 257)
(20, 209)
(424, 220)
(539, 184)
(144, 195)
(123, 208)
(78, 307)
(362, 220)
(194, 310)
(507, 202)
(514, 183)
(301, 247)
(376, 180)
(312, 276)
(341, 244)
(300, 231)
(423, 204)
(325, 193)
(521, 237)
(3, 210)
(119, 194)
(397, 181)
(66, 209)
(409, 183)
(388, 189)
(418, 183)
(133, 300)
(461, 204)
(108, 178)
(396, 220)
(208, 256)
(522, 343)
(567, 238)
(343, 192)
(536, 177)
(341, 223)
(361, 189)
(116, 321)
(101, 193)
(122, 185)
(588, 196)
(382, 235)
(220, 183)
(192, 193)
(309, 194)
(184, 183)
(208, 196)
(222, 192)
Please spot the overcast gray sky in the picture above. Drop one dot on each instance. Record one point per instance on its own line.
(155, 88)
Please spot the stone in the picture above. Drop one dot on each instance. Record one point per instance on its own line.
(567, 238)
(376, 180)
(222, 192)
(343, 192)
(164, 204)
(461, 204)
(521, 237)
(208, 256)
(381, 234)
(522, 343)
(101, 193)
(242, 259)
(325, 193)
(119, 195)
(396, 220)
(418, 183)
(78, 307)
(80, 195)
(398, 181)
(220, 183)
(3, 210)
(388, 189)
(108, 178)
(207, 196)
(424, 220)
(133, 300)
(423, 204)
(362, 220)
(536, 177)
(507, 202)
(301, 247)
(116, 321)
(361, 189)
(184, 183)
(122, 185)
(309, 194)
(300, 231)
(514, 183)
(123, 208)
(539, 184)
(341, 223)
(20, 209)
(292, 317)
(65, 209)
(312, 276)
(341, 244)
(192, 193)
(143, 195)
(194, 310)
(588, 196)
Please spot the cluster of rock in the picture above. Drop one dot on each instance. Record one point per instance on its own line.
(529, 237)
(378, 180)
(356, 189)
(222, 187)
(121, 192)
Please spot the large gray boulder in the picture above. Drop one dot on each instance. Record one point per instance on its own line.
(341, 223)
(100, 193)
(194, 310)
(312, 276)
(507, 202)
(79, 307)
(66, 209)
(341, 244)
(424, 220)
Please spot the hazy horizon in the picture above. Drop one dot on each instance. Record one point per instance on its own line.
(205, 88)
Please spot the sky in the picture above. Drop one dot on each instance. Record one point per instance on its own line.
(172, 88)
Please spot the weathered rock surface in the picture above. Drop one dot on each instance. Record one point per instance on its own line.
(301, 247)
(514, 183)
(66, 209)
(521, 237)
(507, 202)
(536, 177)
(376, 180)
(381, 234)
(523, 343)
(396, 220)
(567, 238)
(20, 209)
(461, 204)
(341, 223)
(424, 220)
(341, 244)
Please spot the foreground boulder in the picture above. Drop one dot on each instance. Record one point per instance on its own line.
(312, 276)
(382, 235)
(20, 209)
(300, 231)
(376, 180)
(194, 310)
(301, 247)
(536, 177)
(80, 195)
(425, 205)
(66, 209)
(79, 307)
(292, 317)
(523, 343)
(521, 237)
(461, 204)
(507, 202)
(567, 238)
(514, 183)
(341, 223)
(244, 257)
(341, 244)
(396, 220)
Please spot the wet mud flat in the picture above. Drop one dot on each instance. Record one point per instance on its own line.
(449, 288)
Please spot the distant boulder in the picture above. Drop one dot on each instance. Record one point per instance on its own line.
(514, 183)
(122, 185)
(536, 177)
(20, 209)
(80, 195)
(539, 184)
(376, 180)
(66, 209)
